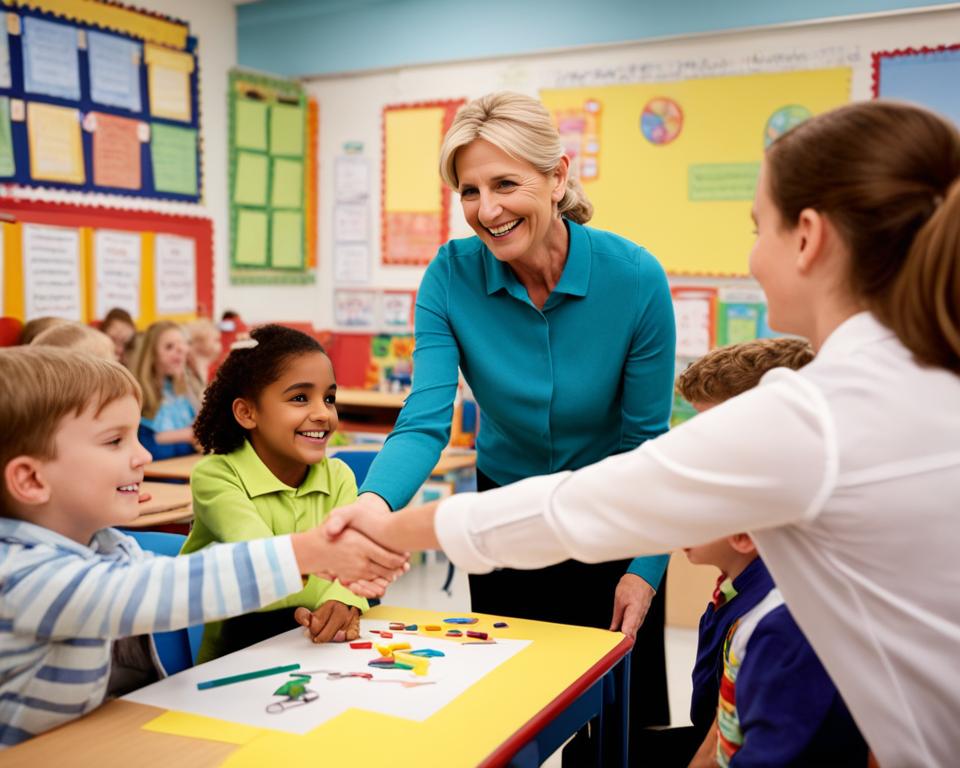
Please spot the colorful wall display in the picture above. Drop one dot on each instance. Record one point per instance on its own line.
(927, 76)
(676, 163)
(415, 205)
(98, 98)
(272, 181)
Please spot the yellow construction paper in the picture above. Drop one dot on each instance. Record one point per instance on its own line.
(250, 181)
(503, 701)
(643, 190)
(168, 79)
(287, 184)
(286, 130)
(412, 140)
(250, 123)
(56, 149)
(286, 239)
(200, 727)
(251, 246)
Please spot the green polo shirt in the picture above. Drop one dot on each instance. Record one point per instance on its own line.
(237, 498)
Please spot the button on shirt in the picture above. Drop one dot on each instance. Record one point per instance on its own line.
(589, 375)
(847, 475)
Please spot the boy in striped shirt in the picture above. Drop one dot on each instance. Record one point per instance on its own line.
(78, 598)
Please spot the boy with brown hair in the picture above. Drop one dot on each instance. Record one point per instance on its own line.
(760, 694)
(70, 585)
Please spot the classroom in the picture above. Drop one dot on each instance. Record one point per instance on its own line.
(565, 384)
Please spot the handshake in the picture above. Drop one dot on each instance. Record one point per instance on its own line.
(364, 545)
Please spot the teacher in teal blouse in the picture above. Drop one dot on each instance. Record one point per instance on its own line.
(566, 336)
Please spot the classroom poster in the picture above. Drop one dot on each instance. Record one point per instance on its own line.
(351, 263)
(175, 275)
(173, 151)
(117, 259)
(116, 151)
(168, 80)
(51, 272)
(51, 62)
(677, 162)
(355, 310)
(693, 310)
(927, 77)
(396, 311)
(5, 80)
(114, 70)
(8, 166)
(56, 149)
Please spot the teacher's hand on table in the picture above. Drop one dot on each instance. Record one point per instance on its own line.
(630, 604)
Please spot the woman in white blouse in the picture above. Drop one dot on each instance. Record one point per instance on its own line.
(846, 473)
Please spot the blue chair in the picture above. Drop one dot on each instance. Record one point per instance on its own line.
(177, 649)
(358, 461)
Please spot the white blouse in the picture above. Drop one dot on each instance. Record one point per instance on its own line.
(846, 474)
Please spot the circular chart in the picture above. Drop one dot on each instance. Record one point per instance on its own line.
(661, 121)
(783, 120)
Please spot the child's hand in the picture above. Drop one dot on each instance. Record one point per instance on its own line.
(350, 557)
(333, 621)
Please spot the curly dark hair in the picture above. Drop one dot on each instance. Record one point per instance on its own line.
(245, 373)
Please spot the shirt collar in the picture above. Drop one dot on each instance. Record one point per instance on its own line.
(259, 480)
(754, 577)
(573, 281)
(853, 333)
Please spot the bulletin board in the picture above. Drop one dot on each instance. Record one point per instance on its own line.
(415, 204)
(675, 164)
(273, 130)
(98, 98)
(925, 76)
(76, 261)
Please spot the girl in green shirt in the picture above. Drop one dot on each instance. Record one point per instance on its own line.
(267, 419)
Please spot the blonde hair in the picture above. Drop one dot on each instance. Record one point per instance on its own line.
(520, 126)
(731, 371)
(40, 385)
(78, 337)
(33, 328)
(145, 371)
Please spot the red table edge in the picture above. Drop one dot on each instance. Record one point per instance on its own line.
(502, 754)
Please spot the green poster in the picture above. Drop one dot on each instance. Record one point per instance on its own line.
(250, 187)
(8, 166)
(173, 152)
(250, 119)
(286, 130)
(250, 246)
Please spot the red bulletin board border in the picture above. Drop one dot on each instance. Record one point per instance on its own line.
(876, 56)
(200, 230)
(450, 107)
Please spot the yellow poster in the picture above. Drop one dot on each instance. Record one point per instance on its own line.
(56, 149)
(676, 163)
(168, 78)
(412, 139)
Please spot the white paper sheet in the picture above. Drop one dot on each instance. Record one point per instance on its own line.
(246, 702)
(351, 263)
(350, 222)
(117, 256)
(351, 180)
(51, 272)
(693, 326)
(355, 309)
(176, 275)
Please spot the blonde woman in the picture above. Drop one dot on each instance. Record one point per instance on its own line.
(565, 334)
(166, 427)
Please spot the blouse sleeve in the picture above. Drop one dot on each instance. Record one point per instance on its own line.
(761, 460)
(423, 427)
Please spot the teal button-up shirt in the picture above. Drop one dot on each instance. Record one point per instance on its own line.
(589, 375)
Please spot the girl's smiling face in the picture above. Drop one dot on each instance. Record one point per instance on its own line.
(171, 354)
(291, 420)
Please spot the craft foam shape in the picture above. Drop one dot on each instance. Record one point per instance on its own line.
(417, 663)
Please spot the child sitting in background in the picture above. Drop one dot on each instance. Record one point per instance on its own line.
(78, 337)
(118, 325)
(69, 584)
(267, 418)
(777, 705)
(33, 328)
(166, 427)
(204, 348)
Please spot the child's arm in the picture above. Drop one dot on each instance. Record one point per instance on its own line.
(55, 595)
(706, 756)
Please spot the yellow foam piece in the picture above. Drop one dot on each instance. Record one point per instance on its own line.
(420, 664)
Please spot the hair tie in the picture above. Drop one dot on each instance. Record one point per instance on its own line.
(244, 344)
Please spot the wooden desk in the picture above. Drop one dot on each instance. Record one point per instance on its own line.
(515, 715)
(169, 503)
(179, 469)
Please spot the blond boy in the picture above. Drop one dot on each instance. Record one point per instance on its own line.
(78, 337)
(70, 585)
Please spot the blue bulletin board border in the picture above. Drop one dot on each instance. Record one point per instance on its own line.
(85, 105)
(925, 76)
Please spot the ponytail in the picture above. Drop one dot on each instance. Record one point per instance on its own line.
(574, 205)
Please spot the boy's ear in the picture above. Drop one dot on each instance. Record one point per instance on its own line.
(244, 413)
(742, 543)
(24, 480)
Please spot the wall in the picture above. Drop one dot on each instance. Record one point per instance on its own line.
(350, 105)
(312, 37)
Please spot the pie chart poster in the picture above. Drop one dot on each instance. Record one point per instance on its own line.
(676, 163)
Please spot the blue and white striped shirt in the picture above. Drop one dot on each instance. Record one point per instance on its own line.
(62, 604)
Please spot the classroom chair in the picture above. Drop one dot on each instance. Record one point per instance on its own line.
(178, 649)
(358, 461)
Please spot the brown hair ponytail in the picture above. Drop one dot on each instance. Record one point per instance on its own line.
(886, 175)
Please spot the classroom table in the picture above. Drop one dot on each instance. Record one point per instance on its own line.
(516, 715)
(169, 503)
(178, 469)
